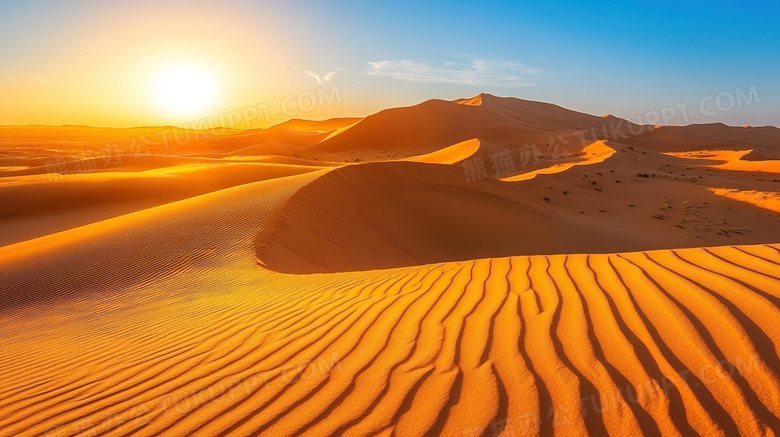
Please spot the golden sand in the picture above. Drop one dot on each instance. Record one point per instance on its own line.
(280, 296)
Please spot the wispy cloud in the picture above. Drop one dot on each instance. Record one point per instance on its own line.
(321, 79)
(470, 72)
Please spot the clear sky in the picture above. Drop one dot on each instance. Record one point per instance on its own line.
(129, 63)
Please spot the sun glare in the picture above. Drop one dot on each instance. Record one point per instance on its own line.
(186, 90)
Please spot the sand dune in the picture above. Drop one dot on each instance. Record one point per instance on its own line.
(31, 207)
(284, 138)
(512, 122)
(264, 286)
(733, 160)
(187, 336)
(432, 125)
(711, 136)
(455, 153)
(594, 153)
(393, 214)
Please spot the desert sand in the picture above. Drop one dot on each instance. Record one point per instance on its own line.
(349, 277)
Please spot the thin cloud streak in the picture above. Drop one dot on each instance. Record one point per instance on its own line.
(322, 79)
(475, 72)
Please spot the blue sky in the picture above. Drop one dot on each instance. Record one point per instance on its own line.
(624, 58)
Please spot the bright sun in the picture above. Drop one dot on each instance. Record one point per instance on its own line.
(186, 90)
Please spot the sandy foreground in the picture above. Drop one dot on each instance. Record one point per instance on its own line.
(310, 280)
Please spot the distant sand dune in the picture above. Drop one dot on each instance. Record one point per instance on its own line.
(434, 124)
(733, 160)
(710, 136)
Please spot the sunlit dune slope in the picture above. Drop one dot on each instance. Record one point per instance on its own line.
(145, 245)
(32, 206)
(511, 122)
(733, 160)
(402, 132)
(592, 154)
(161, 323)
(30, 146)
(431, 125)
(282, 139)
(455, 153)
(393, 214)
(667, 197)
(31, 142)
(379, 215)
(710, 136)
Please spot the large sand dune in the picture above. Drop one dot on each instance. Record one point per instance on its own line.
(434, 124)
(619, 290)
(393, 214)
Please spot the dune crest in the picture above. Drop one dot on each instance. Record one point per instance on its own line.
(434, 124)
(452, 154)
(594, 153)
